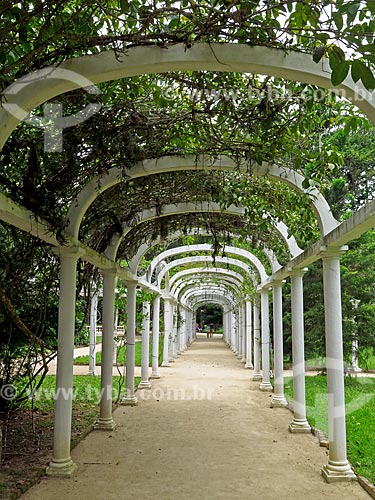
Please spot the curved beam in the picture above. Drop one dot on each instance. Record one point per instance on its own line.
(204, 247)
(291, 242)
(197, 271)
(228, 289)
(184, 284)
(288, 176)
(223, 260)
(38, 87)
(207, 296)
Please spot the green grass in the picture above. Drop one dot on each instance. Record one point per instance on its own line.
(360, 421)
(29, 431)
(121, 352)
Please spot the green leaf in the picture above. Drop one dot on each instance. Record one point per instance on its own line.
(337, 17)
(367, 78)
(356, 71)
(353, 8)
(323, 37)
(3, 57)
(336, 57)
(367, 48)
(318, 53)
(340, 72)
(306, 183)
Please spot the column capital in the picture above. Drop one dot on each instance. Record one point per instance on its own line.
(130, 284)
(276, 283)
(298, 271)
(328, 252)
(69, 252)
(108, 271)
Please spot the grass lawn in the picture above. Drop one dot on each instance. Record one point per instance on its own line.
(28, 432)
(84, 360)
(360, 413)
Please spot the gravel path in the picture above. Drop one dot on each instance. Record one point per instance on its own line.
(203, 432)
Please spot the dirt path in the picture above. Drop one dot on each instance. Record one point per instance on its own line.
(204, 432)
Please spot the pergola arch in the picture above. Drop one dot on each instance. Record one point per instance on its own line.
(225, 260)
(195, 278)
(100, 184)
(35, 88)
(207, 295)
(177, 278)
(202, 248)
(282, 228)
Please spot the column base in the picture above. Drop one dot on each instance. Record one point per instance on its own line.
(239, 356)
(257, 376)
(299, 427)
(249, 365)
(144, 384)
(171, 360)
(266, 387)
(61, 467)
(93, 373)
(279, 402)
(243, 360)
(338, 473)
(129, 401)
(165, 363)
(155, 375)
(104, 424)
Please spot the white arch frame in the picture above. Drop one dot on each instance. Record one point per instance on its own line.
(36, 88)
(204, 247)
(100, 184)
(224, 260)
(197, 271)
(291, 242)
(195, 278)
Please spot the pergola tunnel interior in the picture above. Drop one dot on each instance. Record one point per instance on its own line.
(199, 279)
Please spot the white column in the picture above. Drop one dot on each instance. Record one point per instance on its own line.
(114, 344)
(236, 332)
(299, 423)
(145, 383)
(183, 330)
(190, 327)
(257, 373)
(131, 302)
(105, 421)
(155, 338)
(249, 363)
(278, 399)
(243, 329)
(338, 467)
(240, 333)
(61, 463)
(93, 321)
(265, 320)
(174, 331)
(167, 331)
(225, 327)
(232, 326)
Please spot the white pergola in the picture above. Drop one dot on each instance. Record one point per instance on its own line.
(34, 89)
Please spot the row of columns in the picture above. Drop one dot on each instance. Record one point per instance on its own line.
(237, 333)
(338, 467)
(62, 463)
